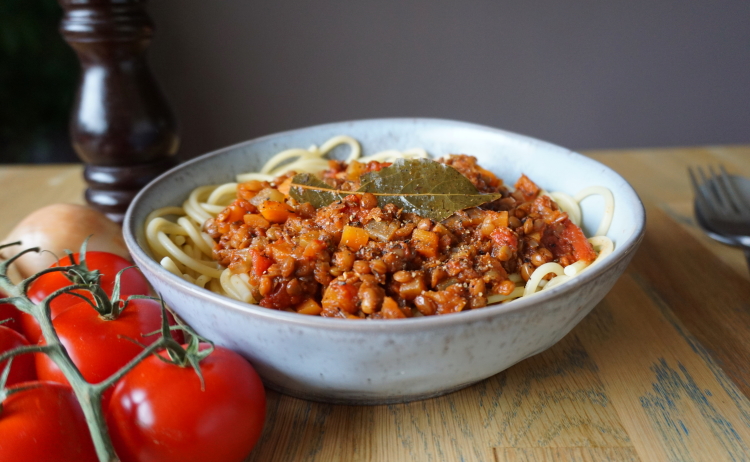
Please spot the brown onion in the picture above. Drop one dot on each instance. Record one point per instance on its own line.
(58, 227)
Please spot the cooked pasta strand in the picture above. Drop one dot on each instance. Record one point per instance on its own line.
(609, 206)
(538, 274)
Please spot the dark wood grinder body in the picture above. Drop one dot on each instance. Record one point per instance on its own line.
(121, 126)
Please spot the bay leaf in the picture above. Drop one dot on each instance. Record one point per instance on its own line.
(421, 186)
(306, 187)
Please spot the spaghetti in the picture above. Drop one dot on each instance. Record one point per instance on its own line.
(187, 246)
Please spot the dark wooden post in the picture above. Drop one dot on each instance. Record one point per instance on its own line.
(121, 126)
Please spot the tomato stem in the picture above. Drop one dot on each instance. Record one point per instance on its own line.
(24, 350)
(89, 395)
(4, 265)
(111, 380)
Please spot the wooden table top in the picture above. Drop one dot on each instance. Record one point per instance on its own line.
(659, 371)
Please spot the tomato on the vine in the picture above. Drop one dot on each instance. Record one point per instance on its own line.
(44, 423)
(22, 369)
(161, 412)
(98, 346)
(11, 315)
(132, 282)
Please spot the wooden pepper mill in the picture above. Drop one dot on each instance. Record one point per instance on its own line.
(121, 125)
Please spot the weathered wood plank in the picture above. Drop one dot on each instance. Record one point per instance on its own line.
(674, 401)
(27, 188)
(617, 454)
(708, 297)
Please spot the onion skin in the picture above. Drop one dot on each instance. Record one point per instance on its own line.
(60, 227)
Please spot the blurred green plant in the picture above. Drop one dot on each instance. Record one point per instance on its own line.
(38, 76)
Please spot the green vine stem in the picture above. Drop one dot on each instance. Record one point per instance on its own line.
(89, 395)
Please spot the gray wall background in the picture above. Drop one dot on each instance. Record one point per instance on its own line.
(582, 74)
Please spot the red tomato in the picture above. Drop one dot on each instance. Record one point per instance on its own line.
(132, 282)
(44, 424)
(100, 347)
(12, 315)
(22, 369)
(158, 412)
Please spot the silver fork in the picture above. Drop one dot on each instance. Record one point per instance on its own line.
(721, 208)
(720, 202)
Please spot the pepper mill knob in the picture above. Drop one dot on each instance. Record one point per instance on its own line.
(121, 125)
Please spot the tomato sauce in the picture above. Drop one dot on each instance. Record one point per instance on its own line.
(353, 259)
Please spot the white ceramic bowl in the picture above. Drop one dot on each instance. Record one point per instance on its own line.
(382, 361)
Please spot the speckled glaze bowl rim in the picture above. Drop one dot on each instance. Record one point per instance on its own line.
(622, 250)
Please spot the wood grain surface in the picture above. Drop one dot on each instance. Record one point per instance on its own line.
(657, 372)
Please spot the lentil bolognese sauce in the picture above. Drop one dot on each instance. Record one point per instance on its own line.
(355, 259)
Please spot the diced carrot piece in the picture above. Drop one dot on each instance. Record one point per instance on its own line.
(309, 306)
(256, 221)
(390, 309)
(249, 189)
(502, 219)
(235, 214)
(528, 188)
(412, 289)
(267, 194)
(425, 242)
(252, 185)
(275, 212)
(354, 238)
(285, 186)
(354, 170)
(260, 263)
(493, 220)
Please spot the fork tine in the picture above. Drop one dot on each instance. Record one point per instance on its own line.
(735, 199)
(718, 186)
(700, 193)
(712, 198)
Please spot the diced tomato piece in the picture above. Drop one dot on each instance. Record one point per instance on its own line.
(313, 248)
(528, 188)
(375, 166)
(504, 236)
(567, 240)
(280, 299)
(260, 263)
(582, 248)
(542, 205)
(280, 250)
(340, 296)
